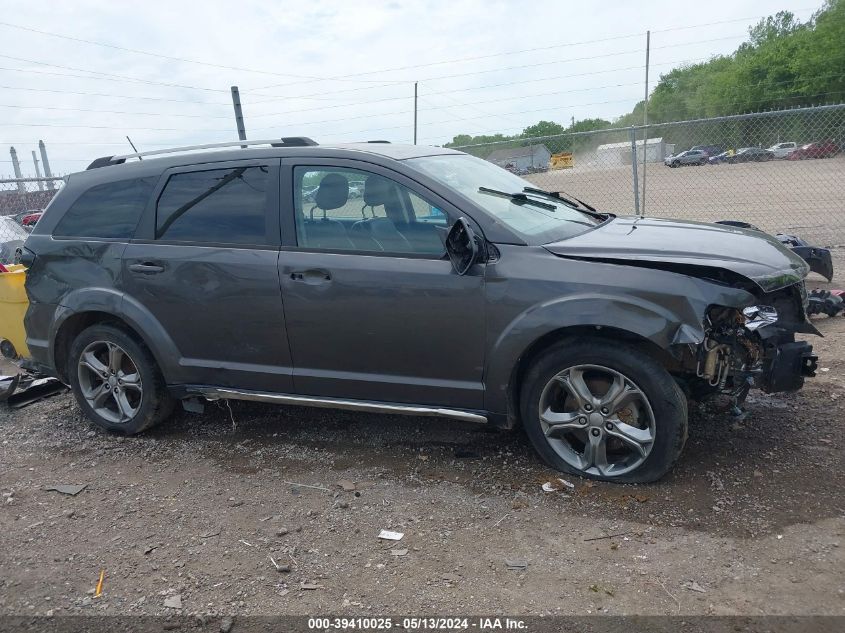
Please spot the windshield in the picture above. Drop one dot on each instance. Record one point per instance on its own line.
(536, 224)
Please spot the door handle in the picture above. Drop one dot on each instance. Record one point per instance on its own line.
(146, 268)
(313, 275)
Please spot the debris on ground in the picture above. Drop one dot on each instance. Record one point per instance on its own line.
(98, 591)
(829, 302)
(24, 389)
(67, 489)
(173, 602)
(516, 563)
(282, 569)
(226, 625)
(309, 586)
(694, 586)
(398, 552)
(346, 485)
(297, 485)
(556, 485)
(391, 536)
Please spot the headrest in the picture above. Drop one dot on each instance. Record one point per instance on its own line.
(332, 193)
(378, 190)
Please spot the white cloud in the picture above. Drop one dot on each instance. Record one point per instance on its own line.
(289, 41)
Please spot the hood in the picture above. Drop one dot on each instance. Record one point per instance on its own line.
(674, 244)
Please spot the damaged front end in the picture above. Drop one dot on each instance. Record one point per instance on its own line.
(755, 347)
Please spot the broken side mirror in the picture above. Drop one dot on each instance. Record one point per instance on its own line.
(461, 246)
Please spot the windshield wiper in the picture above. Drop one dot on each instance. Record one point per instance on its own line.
(575, 203)
(518, 198)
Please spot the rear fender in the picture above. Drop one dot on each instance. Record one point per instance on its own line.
(132, 313)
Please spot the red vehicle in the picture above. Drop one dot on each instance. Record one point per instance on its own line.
(822, 149)
(31, 219)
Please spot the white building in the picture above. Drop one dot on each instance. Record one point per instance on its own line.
(620, 153)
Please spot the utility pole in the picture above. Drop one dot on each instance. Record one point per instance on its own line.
(37, 172)
(16, 166)
(645, 114)
(415, 113)
(239, 115)
(46, 163)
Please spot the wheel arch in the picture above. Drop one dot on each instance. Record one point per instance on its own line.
(90, 307)
(576, 332)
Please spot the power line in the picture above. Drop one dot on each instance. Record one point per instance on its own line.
(159, 55)
(191, 116)
(544, 63)
(532, 50)
(112, 75)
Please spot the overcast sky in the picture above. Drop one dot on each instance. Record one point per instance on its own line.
(334, 71)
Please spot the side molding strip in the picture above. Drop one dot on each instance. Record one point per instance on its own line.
(215, 393)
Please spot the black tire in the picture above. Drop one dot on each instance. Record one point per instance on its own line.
(154, 404)
(665, 397)
(675, 164)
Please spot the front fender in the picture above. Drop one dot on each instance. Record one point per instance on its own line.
(665, 308)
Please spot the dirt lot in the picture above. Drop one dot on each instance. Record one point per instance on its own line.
(751, 521)
(788, 196)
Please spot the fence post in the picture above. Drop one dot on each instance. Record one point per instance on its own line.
(633, 136)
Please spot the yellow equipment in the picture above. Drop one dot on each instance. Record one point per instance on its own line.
(562, 160)
(13, 305)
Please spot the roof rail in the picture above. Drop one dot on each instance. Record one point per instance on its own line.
(287, 141)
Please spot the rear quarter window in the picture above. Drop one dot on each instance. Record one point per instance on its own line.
(111, 210)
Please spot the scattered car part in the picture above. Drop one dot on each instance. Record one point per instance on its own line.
(825, 302)
(30, 389)
(818, 258)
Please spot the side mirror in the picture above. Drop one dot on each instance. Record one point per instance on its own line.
(461, 246)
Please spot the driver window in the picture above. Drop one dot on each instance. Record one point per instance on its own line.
(351, 210)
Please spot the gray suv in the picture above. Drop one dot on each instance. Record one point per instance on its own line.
(447, 287)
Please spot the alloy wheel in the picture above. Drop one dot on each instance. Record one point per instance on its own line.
(110, 381)
(597, 420)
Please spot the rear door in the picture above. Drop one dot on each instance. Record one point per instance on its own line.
(373, 307)
(204, 262)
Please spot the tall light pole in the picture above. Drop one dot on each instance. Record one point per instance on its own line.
(645, 115)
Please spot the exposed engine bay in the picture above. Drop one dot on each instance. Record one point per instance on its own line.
(755, 347)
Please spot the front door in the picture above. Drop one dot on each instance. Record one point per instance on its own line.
(204, 263)
(373, 308)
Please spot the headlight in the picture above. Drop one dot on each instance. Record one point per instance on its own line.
(758, 316)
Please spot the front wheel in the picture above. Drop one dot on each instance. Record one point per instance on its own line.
(604, 411)
(116, 380)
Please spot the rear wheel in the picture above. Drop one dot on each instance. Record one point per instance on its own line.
(604, 411)
(116, 380)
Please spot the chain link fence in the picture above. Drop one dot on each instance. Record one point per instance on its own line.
(783, 171)
(21, 201)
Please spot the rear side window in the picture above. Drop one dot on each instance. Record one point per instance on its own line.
(111, 210)
(215, 206)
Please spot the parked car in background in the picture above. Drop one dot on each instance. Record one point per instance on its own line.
(750, 154)
(12, 237)
(719, 158)
(782, 150)
(30, 219)
(822, 149)
(710, 150)
(689, 157)
(469, 294)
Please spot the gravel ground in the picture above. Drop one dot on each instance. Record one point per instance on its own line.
(797, 197)
(188, 518)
